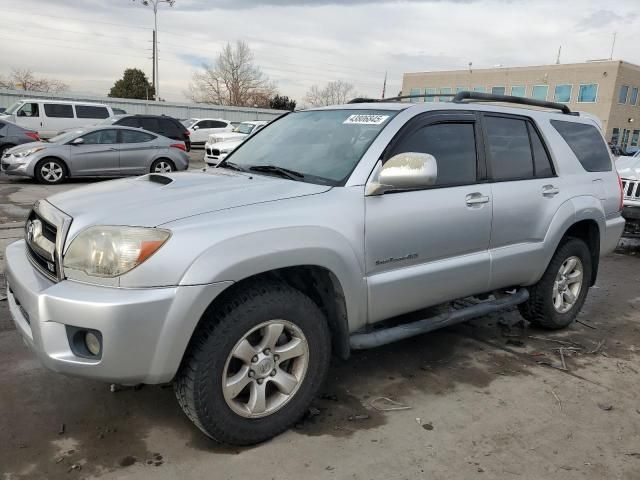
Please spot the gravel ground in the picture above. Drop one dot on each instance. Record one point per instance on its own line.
(487, 399)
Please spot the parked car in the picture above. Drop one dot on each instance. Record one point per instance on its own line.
(49, 117)
(217, 152)
(201, 128)
(161, 124)
(629, 170)
(238, 284)
(95, 152)
(241, 131)
(12, 135)
(119, 111)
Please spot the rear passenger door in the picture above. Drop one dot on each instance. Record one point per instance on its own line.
(427, 246)
(57, 117)
(137, 151)
(526, 196)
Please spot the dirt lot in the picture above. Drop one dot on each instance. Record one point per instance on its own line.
(487, 399)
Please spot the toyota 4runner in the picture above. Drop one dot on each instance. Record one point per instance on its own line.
(238, 284)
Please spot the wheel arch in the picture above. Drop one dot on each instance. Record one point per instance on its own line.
(67, 171)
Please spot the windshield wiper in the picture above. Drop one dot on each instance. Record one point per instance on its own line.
(281, 171)
(231, 166)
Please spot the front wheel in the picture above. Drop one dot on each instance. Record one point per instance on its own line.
(50, 171)
(255, 364)
(555, 301)
(162, 165)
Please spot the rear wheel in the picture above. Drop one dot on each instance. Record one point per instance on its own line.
(556, 300)
(50, 171)
(162, 165)
(255, 364)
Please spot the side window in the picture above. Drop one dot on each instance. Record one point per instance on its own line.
(101, 137)
(510, 155)
(217, 124)
(150, 124)
(91, 111)
(168, 127)
(29, 110)
(132, 136)
(205, 124)
(58, 110)
(587, 144)
(129, 122)
(541, 160)
(452, 144)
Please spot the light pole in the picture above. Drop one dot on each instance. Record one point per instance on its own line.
(155, 4)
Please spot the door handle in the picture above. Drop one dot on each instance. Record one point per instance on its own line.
(476, 199)
(550, 191)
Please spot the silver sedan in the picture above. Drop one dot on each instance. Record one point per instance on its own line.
(95, 152)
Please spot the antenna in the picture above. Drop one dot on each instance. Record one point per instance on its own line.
(558, 57)
(613, 44)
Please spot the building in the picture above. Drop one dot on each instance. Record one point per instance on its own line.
(607, 89)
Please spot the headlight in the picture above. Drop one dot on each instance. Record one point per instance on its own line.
(110, 251)
(26, 153)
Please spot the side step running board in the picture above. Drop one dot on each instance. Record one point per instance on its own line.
(376, 338)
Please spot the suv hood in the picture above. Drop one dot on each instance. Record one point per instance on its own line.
(143, 201)
(628, 167)
(224, 136)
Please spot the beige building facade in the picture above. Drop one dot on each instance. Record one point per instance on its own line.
(607, 89)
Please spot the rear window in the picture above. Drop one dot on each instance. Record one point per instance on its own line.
(90, 111)
(169, 127)
(587, 144)
(150, 124)
(128, 122)
(58, 110)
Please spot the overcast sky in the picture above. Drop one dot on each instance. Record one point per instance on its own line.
(298, 43)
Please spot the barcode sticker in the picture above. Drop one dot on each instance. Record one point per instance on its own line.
(363, 119)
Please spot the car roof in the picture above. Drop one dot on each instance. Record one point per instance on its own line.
(65, 102)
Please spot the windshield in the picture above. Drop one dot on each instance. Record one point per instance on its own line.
(244, 128)
(67, 136)
(323, 145)
(12, 109)
(188, 122)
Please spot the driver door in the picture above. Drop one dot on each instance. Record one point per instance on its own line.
(427, 246)
(29, 116)
(98, 155)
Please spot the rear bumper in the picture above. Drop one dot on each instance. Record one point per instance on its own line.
(144, 331)
(612, 234)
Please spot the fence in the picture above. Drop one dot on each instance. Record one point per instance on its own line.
(176, 110)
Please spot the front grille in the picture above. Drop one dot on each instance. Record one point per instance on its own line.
(631, 189)
(208, 151)
(215, 152)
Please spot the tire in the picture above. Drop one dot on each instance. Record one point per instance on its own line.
(162, 165)
(50, 171)
(542, 307)
(4, 148)
(209, 363)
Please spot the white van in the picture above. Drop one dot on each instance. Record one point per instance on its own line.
(48, 117)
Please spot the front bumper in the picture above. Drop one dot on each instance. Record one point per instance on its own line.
(8, 166)
(631, 214)
(145, 332)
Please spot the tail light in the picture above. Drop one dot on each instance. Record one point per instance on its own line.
(187, 133)
(621, 193)
(33, 135)
(179, 146)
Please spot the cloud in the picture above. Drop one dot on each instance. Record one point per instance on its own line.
(604, 18)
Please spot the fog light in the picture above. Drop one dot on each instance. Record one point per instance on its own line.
(92, 342)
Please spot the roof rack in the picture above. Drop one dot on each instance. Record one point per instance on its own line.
(461, 97)
(491, 97)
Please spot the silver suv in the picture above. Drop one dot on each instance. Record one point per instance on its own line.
(238, 285)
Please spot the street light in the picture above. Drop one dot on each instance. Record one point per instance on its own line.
(155, 4)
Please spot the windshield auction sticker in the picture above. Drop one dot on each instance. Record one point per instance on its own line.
(363, 119)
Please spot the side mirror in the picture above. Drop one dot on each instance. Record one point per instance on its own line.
(196, 127)
(78, 141)
(405, 171)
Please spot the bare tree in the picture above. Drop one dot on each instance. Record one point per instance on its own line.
(333, 93)
(233, 80)
(25, 79)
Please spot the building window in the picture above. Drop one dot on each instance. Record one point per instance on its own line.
(478, 89)
(462, 89)
(624, 92)
(430, 91)
(445, 91)
(625, 138)
(414, 91)
(540, 92)
(497, 90)
(615, 136)
(588, 93)
(563, 93)
(634, 96)
(518, 90)
(634, 138)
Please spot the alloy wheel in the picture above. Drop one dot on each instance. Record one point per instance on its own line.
(51, 172)
(568, 284)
